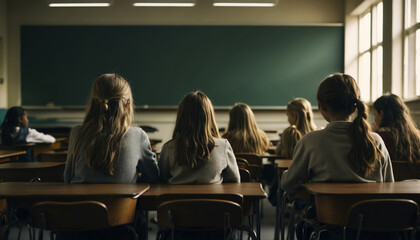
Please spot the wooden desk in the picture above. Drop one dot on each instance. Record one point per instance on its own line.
(24, 195)
(10, 155)
(251, 191)
(25, 171)
(333, 200)
(46, 147)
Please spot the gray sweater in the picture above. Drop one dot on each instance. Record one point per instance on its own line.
(323, 156)
(136, 157)
(221, 167)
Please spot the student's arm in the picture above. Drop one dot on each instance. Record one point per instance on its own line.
(164, 165)
(37, 137)
(147, 165)
(231, 172)
(298, 171)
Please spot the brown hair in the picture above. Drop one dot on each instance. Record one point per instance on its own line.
(397, 117)
(195, 130)
(340, 93)
(243, 133)
(108, 118)
(304, 117)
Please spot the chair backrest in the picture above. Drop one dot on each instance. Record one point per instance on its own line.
(251, 158)
(254, 169)
(245, 175)
(383, 215)
(199, 214)
(70, 216)
(403, 171)
(44, 173)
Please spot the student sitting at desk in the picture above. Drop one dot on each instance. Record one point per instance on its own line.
(299, 114)
(196, 154)
(243, 133)
(106, 149)
(345, 151)
(394, 124)
(15, 130)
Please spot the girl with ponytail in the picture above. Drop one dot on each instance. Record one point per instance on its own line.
(106, 149)
(345, 151)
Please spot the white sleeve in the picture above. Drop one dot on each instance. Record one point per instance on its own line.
(36, 137)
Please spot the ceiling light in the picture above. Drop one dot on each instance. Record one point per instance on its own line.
(79, 3)
(244, 3)
(164, 3)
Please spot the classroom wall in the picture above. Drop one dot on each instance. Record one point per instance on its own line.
(3, 56)
(36, 12)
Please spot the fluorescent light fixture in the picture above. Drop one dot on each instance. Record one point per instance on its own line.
(79, 3)
(244, 3)
(164, 3)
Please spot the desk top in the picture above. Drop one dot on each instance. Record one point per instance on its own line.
(246, 189)
(405, 187)
(29, 165)
(43, 189)
(11, 153)
(283, 163)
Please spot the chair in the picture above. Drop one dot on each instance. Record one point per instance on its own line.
(403, 171)
(197, 215)
(253, 169)
(383, 215)
(80, 216)
(245, 175)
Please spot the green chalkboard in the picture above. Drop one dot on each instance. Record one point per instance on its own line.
(258, 65)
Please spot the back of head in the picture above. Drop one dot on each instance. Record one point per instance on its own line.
(303, 111)
(195, 129)
(108, 118)
(397, 117)
(243, 132)
(340, 94)
(289, 138)
(10, 122)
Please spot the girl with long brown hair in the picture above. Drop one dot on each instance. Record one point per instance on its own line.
(106, 148)
(196, 154)
(243, 133)
(393, 122)
(345, 150)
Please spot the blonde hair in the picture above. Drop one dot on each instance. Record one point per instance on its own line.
(108, 118)
(304, 117)
(243, 132)
(289, 138)
(195, 130)
(340, 93)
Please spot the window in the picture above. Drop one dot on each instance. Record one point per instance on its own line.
(370, 60)
(412, 49)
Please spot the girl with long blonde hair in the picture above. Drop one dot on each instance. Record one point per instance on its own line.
(106, 148)
(243, 133)
(196, 154)
(299, 113)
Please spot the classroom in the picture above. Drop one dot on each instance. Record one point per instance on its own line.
(262, 56)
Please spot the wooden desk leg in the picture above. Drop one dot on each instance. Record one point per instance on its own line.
(257, 204)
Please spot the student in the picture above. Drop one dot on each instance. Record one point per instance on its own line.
(289, 138)
(196, 154)
(394, 124)
(243, 133)
(345, 151)
(106, 148)
(15, 130)
(299, 113)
